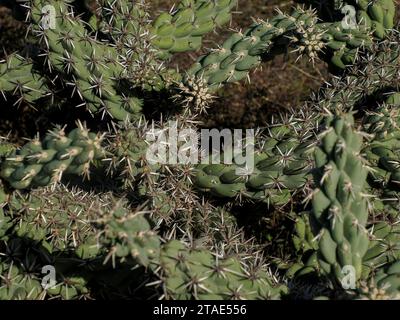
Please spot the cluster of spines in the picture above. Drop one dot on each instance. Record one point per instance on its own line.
(188, 273)
(91, 67)
(127, 26)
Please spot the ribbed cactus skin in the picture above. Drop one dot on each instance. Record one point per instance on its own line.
(198, 274)
(305, 247)
(183, 29)
(39, 163)
(303, 236)
(92, 67)
(377, 15)
(389, 279)
(18, 78)
(339, 202)
(384, 247)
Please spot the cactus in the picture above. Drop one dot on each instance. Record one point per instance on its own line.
(183, 29)
(375, 15)
(125, 153)
(180, 30)
(323, 193)
(90, 66)
(388, 278)
(61, 220)
(303, 238)
(64, 220)
(383, 286)
(127, 25)
(242, 52)
(16, 286)
(282, 164)
(339, 200)
(383, 248)
(70, 227)
(197, 273)
(382, 251)
(102, 74)
(382, 152)
(127, 234)
(378, 15)
(40, 163)
(18, 78)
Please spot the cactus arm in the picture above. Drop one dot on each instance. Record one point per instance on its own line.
(242, 52)
(339, 200)
(345, 93)
(18, 78)
(198, 274)
(39, 163)
(91, 66)
(121, 153)
(183, 29)
(281, 166)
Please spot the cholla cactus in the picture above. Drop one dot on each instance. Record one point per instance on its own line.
(200, 274)
(87, 200)
(339, 200)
